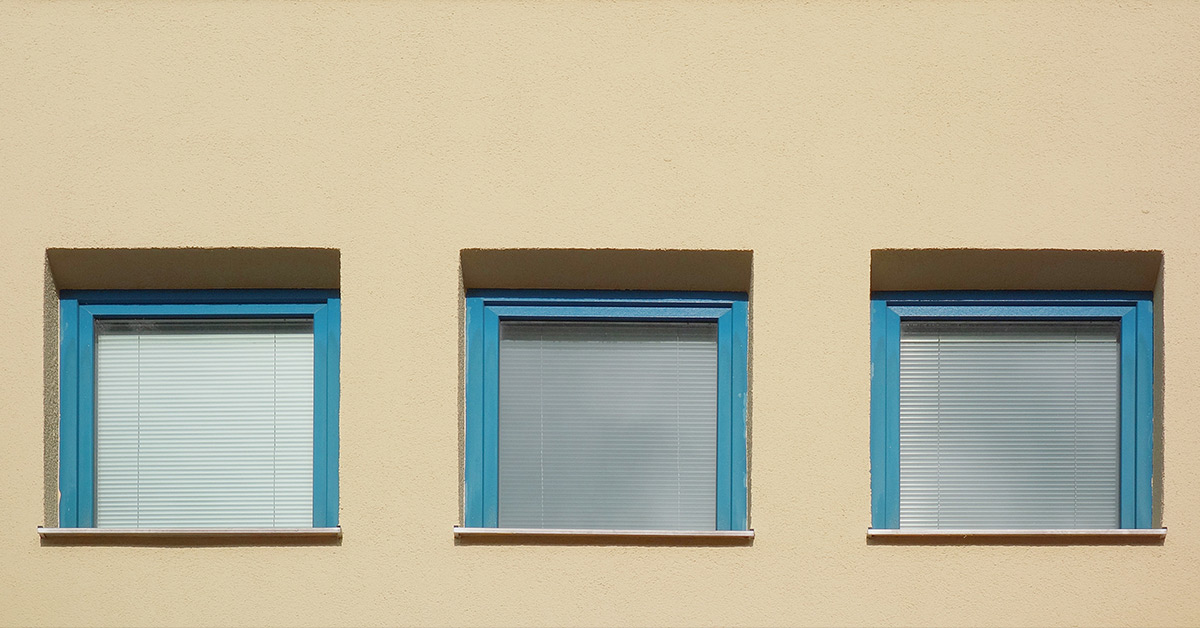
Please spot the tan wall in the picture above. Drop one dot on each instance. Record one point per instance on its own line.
(404, 132)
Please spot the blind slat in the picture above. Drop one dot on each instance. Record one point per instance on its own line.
(608, 425)
(204, 424)
(1009, 424)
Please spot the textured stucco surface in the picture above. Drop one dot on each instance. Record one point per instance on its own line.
(402, 133)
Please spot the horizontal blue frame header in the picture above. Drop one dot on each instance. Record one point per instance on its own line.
(988, 311)
(645, 298)
(215, 297)
(1016, 297)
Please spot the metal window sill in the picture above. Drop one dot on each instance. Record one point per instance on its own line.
(1139, 533)
(190, 533)
(469, 533)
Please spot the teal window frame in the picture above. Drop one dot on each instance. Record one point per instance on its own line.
(80, 309)
(485, 309)
(1134, 311)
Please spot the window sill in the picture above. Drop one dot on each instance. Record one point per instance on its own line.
(588, 537)
(1146, 532)
(190, 536)
(1140, 536)
(698, 534)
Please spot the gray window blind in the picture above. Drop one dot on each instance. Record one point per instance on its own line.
(204, 423)
(608, 425)
(1009, 424)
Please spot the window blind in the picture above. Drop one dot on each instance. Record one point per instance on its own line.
(204, 423)
(608, 425)
(1009, 424)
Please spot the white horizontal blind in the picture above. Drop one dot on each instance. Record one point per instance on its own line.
(608, 425)
(204, 423)
(1009, 424)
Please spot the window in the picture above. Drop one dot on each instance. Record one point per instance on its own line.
(1011, 411)
(199, 409)
(606, 410)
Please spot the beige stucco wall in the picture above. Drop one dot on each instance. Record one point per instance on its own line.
(401, 133)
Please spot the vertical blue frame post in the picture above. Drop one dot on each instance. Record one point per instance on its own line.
(79, 310)
(1132, 309)
(86, 423)
(739, 471)
(484, 311)
(724, 421)
(1144, 473)
(473, 465)
(885, 416)
(891, 437)
(333, 429)
(1128, 461)
(491, 419)
(68, 426)
(879, 389)
(326, 399)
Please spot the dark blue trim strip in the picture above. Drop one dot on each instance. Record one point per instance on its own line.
(607, 312)
(203, 310)
(910, 312)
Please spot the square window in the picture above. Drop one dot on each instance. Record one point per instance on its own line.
(606, 410)
(199, 409)
(1011, 411)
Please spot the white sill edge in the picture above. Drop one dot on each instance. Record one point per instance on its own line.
(694, 534)
(1128, 532)
(335, 532)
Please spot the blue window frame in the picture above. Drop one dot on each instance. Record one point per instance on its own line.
(486, 309)
(1131, 310)
(80, 310)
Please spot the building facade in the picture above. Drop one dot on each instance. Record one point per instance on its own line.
(403, 156)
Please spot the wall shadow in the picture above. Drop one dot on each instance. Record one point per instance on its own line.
(1014, 269)
(607, 269)
(195, 269)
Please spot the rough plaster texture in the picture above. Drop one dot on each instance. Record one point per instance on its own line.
(402, 133)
